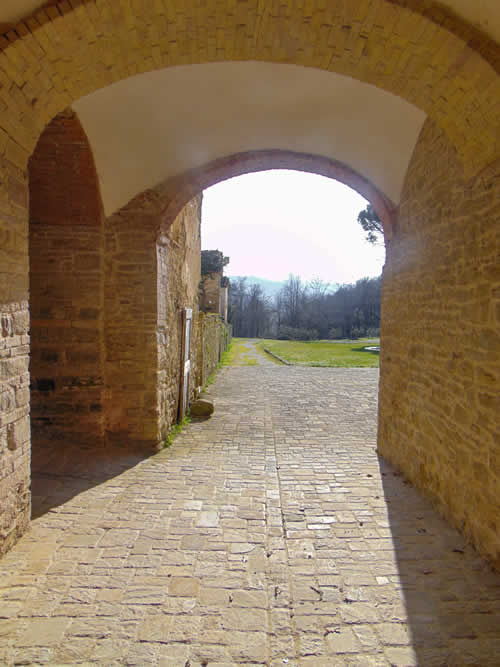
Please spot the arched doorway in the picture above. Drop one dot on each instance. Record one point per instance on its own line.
(440, 290)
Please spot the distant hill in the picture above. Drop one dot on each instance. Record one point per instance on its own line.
(269, 287)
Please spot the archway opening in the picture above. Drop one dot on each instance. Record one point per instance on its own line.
(294, 236)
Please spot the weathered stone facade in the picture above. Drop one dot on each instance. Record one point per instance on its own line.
(215, 337)
(14, 424)
(214, 286)
(439, 417)
(178, 283)
(210, 292)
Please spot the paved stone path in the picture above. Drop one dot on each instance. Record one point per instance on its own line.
(247, 353)
(270, 534)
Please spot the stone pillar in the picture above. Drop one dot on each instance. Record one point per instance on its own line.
(151, 275)
(131, 401)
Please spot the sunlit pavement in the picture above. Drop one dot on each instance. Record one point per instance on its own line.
(270, 534)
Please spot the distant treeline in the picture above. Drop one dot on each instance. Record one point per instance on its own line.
(306, 311)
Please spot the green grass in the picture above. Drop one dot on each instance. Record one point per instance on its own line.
(225, 360)
(341, 354)
(175, 430)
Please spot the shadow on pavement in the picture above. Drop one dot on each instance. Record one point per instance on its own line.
(452, 596)
(62, 472)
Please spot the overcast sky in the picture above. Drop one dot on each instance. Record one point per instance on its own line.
(278, 222)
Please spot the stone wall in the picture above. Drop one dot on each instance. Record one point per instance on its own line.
(130, 324)
(178, 254)
(66, 290)
(150, 276)
(14, 354)
(440, 355)
(210, 292)
(215, 337)
(14, 424)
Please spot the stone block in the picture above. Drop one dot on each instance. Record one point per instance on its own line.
(202, 407)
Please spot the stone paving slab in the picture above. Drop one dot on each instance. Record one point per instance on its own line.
(270, 534)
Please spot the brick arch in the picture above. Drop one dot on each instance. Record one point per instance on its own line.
(425, 55)
(181, 189)
(64, 186)
(65, 259)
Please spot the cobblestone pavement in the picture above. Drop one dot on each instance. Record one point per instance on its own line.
(270, 534)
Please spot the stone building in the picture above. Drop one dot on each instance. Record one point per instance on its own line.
(214, 286)
(115, 115)
(214, 292)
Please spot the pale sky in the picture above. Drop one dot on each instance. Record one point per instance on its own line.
(278, 222)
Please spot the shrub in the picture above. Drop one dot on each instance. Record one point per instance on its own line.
(373, 332)
(335, 332)
(357, 332)
(296, 333)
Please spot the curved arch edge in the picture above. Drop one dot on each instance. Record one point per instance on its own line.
(179, 190)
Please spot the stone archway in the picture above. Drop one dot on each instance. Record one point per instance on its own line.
(139, 239)
(450, 70)
(439, 399)
(179, 190)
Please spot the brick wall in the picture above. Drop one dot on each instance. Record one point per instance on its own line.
(150, 276)
(15, 507)
(14, 424)
(130, 324)
(440, 353)
(66, 290)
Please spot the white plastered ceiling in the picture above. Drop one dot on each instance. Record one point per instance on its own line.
(152, 126)
(484, 14)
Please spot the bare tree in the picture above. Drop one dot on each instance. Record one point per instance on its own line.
(250, 311)
(292, 298)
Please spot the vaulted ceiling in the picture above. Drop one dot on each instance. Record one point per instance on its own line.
(149, 127)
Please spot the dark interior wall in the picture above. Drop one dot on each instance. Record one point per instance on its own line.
(66, 290)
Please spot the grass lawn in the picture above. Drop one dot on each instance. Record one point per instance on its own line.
(328, 353)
